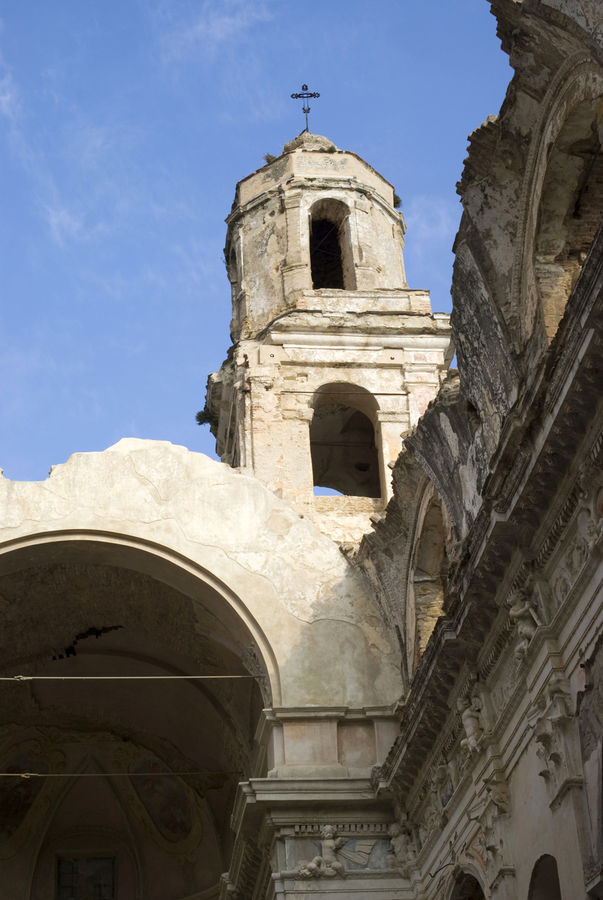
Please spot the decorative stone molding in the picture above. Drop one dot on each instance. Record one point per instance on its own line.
(590, 724)
(590, 703)
(557, 738)
(487, 844)
(587, 534)
(254, 665)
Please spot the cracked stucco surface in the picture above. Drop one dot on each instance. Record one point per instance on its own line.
(295, 584)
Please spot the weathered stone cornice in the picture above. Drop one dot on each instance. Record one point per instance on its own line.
(256, 796)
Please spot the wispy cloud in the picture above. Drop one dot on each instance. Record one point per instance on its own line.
(431, 219)
(9, 100)
(225, 36)
(91, 142)
(77, 166)
(65, 224)
(205, 33)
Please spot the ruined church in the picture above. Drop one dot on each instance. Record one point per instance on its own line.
(361, 656)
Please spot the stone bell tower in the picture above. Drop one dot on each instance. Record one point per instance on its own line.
(333, 357)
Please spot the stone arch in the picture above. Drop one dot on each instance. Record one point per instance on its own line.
(426, 575)
(570, 204)
(153, 778)
(562, 192)
(158, 562)
(544, 883)
(390, 554)
(344, 441)
(232, 258)
(331, 258)
(233, 268)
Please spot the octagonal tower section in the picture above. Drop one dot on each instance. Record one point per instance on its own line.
(333, 358)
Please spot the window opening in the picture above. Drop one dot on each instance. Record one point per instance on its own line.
(569, 212)
(86, 879)
(544, 884)
(320, 491)
(467, 888)
(428, 576)
(344, 455)
(331, 258)
(325, 255)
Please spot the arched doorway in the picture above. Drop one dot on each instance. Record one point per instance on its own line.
(544, 883)
(141, 764)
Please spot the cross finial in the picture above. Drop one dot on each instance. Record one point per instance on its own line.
(305, 94)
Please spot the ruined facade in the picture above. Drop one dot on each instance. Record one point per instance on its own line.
(392, 690)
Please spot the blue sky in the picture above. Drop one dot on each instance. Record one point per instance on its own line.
(124, 127)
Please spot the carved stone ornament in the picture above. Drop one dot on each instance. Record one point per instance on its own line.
(556, 736)
(402, 854)
(493, 840)
(477, 849)
(498, 792)
(523, 614)
(470, 710)
(328, 864)
(590, 704)
(433, 816)
(589, 528)
(487, 846)
(443, 782)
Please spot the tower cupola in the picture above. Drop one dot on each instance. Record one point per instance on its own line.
(314, 218)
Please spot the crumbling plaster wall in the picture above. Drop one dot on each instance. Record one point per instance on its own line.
(500, 325)
(557, 64)
(299, 597)
(470, 434)
(259, 235)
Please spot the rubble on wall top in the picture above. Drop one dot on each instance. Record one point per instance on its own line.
(308, 141)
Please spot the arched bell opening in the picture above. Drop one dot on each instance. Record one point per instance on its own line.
(544, 883)
(233, 270)
(345, 457)
(140, 770)
(331, 259)
(427, 577)
(467, 887)
(570, 209)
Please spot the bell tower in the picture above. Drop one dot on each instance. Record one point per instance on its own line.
(333, 357)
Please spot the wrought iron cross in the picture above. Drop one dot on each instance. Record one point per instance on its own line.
(305, 95)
